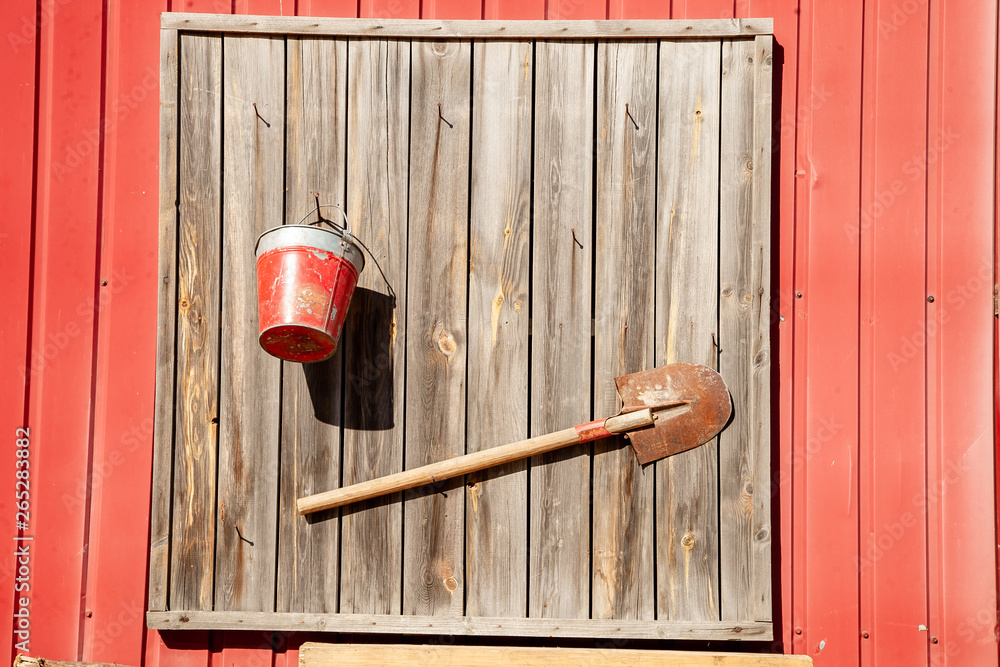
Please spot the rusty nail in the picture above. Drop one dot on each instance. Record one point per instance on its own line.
(930, 298)
(89, 613)
(629, 115)
(798, 294)
(865, 635)
(104, 282)
(259, 116)
(576, 240)
(798, 631)
(934, 640)
(442, 117)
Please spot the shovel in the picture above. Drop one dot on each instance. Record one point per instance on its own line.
(666, 410)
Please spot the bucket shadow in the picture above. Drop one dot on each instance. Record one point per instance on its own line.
(366, 356)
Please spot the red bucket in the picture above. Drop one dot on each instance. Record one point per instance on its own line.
(305, 279)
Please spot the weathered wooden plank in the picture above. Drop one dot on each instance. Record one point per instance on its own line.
(437, 29)
(618, 629)
(760, 353)
(315, 156)
(496, 499)
(687, 305)
(744, 448)
(562, 287)
(374, 655)
(166, 323)
(434, 522)
(199, 315)
(744, 328)
(375, 330)
(246, 530)
(624, 323)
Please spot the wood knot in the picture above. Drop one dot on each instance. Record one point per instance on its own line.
(451, 584)
(688, 541)
(183, 304)
(446, 343)
(727, 291)
(762, 535)
(747, 297)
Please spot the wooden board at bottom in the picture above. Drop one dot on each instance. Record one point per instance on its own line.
(407, 624)
(356, 655)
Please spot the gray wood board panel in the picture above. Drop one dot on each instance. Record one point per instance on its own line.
(375, 331)
(615, 630)
(437, 29)
(198, 319)
(562, 287)
(744, 447)
(624, 323)
(434, 522)
(496, 524)
(315, 156)
(687, 297)
(253, 159)
(761, 355)
(166, 325)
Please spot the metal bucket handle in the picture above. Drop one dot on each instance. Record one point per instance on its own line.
(347, 225)
(352, 237)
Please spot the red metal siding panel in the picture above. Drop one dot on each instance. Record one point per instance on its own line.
(345, 8)
(513, 9)
(63, 319)
(122, 440)
(961, 436)
(390, 9)
(451, 9)
(577, 9)
(17, 79)
(825, 419)
(703, 9)
(892, 561)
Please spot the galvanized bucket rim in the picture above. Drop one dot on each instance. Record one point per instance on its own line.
(334, 243)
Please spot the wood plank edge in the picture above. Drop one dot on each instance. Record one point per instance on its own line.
(315, 654)
(159, 548)
(461, 625)
(458, 29)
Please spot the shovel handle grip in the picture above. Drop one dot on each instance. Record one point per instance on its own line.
(434, 473)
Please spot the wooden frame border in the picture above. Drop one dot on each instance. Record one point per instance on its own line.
(435, 29)
(585, 628)
(160, 619)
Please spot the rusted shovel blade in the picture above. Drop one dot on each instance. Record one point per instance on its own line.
(679, 428)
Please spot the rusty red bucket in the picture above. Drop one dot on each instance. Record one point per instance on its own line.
(306, 276)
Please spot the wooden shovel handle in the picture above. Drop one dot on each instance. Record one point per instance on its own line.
(487, 458)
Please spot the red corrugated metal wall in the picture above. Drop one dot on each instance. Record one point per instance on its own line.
(886, 199)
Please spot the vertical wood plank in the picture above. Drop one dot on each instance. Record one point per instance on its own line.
(687, 241)
(624, 322)
(434, 521)
(166, 323)
(744, 277)
(562, 287)
(253, 71)
(199, 313)
(315, 156)
(375, 331)
(499, 233)
(759, 360)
